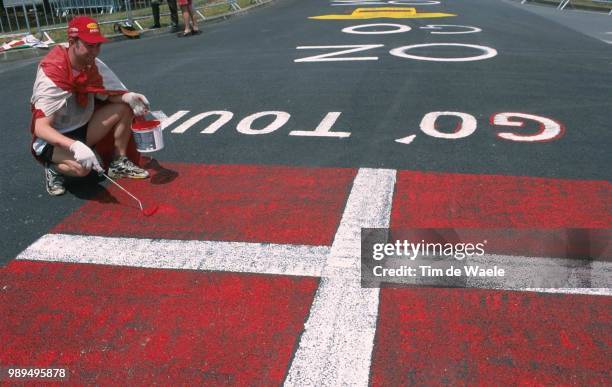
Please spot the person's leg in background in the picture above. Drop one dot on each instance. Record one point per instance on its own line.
(155, 10)
(193, 17)
(186, 20)
(173, 15)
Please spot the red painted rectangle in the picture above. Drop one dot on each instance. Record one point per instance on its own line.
(572, 243)
(484, 337)
(244, 203)
(125, 326)
(438, 200)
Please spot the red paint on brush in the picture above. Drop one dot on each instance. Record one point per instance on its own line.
(112, 325)
(150, 210)
(486, 337)
(227, 203)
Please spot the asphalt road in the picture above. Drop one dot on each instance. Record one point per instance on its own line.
(288, 137)
(247, 65)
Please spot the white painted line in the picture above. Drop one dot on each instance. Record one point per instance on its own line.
(332, 56)
(323, 129)
(488, 52)
(407, 139)
(336, 346)
(173, 118)
(521, 273)
(524, 273)
(368, 206)
(470, 29)
(245, 126)
(177, 254)
(539, 272)
(338, 339)
(224, 117)
(583, 291)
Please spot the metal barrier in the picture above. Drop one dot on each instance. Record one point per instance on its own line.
(19, 17)
(565, 3)
(608, 2)
(65, 7)
(28, 16)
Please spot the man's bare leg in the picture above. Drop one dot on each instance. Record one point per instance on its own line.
(113, 116)
(118, 118)
(67, 165)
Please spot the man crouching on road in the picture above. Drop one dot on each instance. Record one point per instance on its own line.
(78, 102)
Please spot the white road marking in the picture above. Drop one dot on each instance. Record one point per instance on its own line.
(399, 28)
(488, 52)
(549, 129)
(584, 291)
(299, 260)
(407, 139)
(224, 117)
(521, 273)
(465, 128)
(337, 343)
(470, 29)
(324, 128)
(240, 257)
(332, 56)
(173, 118)
(336, 346)
(245, 126)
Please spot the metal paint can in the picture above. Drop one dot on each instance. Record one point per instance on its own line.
(147, 135)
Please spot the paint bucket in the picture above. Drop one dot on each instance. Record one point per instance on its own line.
(147, 135)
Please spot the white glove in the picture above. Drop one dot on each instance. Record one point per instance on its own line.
(138, 103)
(85, 156)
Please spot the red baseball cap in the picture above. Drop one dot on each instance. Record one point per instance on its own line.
(86, 29)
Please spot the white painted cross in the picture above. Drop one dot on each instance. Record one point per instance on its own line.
(336, 345)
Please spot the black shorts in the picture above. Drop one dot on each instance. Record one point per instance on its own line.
(79, 134)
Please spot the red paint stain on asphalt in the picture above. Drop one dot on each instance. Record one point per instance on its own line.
(488, 337)
(123, 326)
(458, 337)
(461, 200)
(565, 340)
(244, 203)
(167, 210)
(150, 210)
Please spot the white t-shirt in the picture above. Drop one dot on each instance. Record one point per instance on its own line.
(69, 117)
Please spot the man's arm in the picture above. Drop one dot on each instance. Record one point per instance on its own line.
(114, 99)
(82, 153)
(44, 130)
(138, 102)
